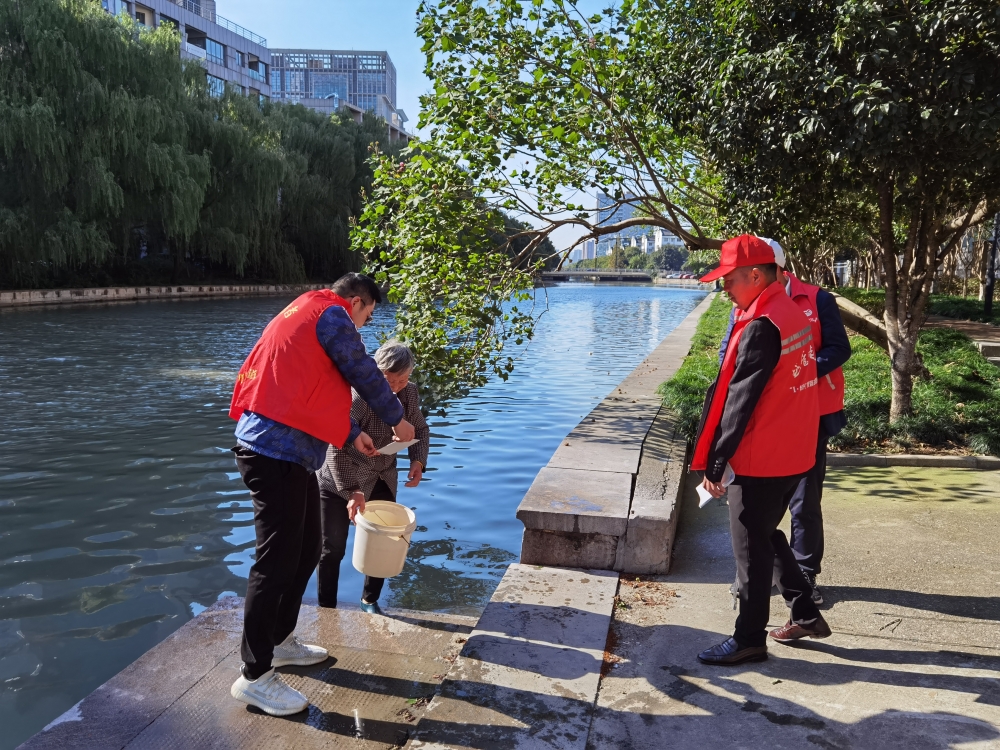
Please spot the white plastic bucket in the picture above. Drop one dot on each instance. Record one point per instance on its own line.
(382, 538)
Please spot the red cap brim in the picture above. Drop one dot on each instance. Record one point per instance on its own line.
(718, 273)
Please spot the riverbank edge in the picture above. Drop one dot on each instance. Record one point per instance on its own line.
(608, 497)
(101, 295)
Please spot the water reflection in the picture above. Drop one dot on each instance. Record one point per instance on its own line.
(121, 511)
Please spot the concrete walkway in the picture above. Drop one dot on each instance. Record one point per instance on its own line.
(558, 661)
(910, 580)
(382, 673)
(984, 335)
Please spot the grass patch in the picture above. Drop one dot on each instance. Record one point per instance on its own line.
(955, 411)
(946, 305)
(685, 391)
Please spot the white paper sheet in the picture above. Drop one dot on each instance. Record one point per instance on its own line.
(393, 448)
(704, 496)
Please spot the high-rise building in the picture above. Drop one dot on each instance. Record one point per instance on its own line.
(332, 80)
(587, 250)
(646, 238)
(229, 53)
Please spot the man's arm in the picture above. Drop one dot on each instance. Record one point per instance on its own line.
(760, 349)
(342, 343)
(836, 349)
(725, 339)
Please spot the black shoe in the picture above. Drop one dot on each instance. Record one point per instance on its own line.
(730, 653)
(815, 594)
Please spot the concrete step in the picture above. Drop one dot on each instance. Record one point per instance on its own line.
(989, 349)
(994, 361)
(530, 672)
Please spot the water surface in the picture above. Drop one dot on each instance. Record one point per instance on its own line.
(122, 514)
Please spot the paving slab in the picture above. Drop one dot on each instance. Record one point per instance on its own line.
(115, 713)
(575, 500)
(609, 438)
(910, 569)
(528, 675)
(384, 668)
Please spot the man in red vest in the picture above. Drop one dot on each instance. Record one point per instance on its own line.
(833, 349)
(760, 423)
(293, 399)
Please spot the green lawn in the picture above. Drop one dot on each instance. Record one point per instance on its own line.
(955, 411)
(961, 308)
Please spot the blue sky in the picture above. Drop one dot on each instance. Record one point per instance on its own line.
(388, 25)
(343, 24)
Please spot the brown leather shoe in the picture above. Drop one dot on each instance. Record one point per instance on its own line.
(730, 653)
(791, 632)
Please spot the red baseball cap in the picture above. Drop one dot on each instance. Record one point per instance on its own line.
(745, 250)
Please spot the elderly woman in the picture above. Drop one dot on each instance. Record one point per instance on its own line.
(349, 477)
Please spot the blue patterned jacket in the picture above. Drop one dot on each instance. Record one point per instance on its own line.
(340, 339)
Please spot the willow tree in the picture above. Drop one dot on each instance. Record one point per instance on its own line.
(327, 176)
(92, 136)
(239, 226)
(881, 115)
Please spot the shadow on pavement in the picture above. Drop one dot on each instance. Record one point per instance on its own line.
(976, 607)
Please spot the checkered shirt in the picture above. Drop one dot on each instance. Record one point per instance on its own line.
(347, 469)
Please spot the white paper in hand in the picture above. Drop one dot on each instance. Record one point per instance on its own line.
(393, 448)
(704, 496)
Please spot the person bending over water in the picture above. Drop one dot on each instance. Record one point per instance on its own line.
(349, 477)
(292, 398)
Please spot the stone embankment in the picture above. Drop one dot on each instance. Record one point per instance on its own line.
(607, 499)
(103, 295)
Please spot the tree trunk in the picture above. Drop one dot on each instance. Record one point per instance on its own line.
(903, 358)
(984, 258)
(902, 379)
(859, 320)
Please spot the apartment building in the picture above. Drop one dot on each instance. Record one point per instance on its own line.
(646, 238)
(332, 80)
(228, 52)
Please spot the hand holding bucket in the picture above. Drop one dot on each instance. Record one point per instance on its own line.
(382, 538)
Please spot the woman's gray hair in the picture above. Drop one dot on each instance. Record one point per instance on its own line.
(394, 356)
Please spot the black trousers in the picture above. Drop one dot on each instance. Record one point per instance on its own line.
(756, 506)
(336, 524)
(807, 513)
(286, 518)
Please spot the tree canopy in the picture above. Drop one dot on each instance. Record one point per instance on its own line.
(825, 124)
(874, 120)
(115, 160)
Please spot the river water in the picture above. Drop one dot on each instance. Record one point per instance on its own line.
(122, 514)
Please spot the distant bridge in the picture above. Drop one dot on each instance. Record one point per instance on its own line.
(604, 274)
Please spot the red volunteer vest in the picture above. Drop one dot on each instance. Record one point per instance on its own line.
(289, 377)
(780, 438)
(830, 388)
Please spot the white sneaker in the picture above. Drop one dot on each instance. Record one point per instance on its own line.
(270, 694)
(292, 652)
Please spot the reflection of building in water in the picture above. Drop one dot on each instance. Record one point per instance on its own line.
(646, 238)
(333, 80)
